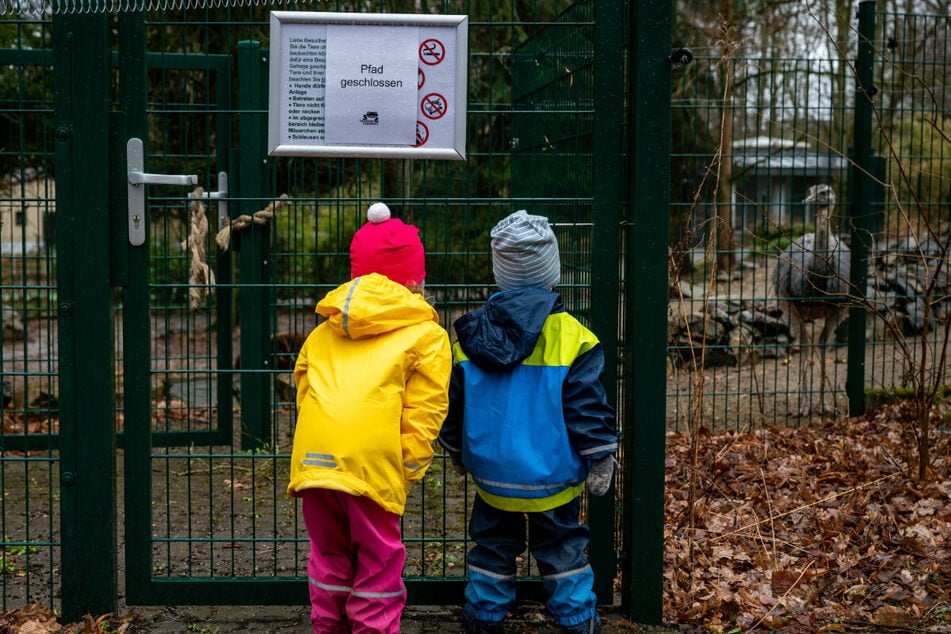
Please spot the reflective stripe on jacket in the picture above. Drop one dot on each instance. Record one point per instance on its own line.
(527, 411)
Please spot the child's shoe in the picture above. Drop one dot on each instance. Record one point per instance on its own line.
(472, 625)
(591, 626)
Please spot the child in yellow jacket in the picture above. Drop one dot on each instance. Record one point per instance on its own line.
(372, 392)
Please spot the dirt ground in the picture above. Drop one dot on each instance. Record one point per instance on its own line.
(781, 385)
(37, 578)
(527, 618)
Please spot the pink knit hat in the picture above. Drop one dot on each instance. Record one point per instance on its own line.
(388, 246)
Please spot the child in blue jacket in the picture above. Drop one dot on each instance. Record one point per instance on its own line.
(529, 421)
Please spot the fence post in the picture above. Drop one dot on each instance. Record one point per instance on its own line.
(82, 62)
(605, 241)
(253, 257)
(645, 298)
(863, 185)
(136, 331)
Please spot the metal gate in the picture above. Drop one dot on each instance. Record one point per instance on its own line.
(187, 264)
(208, 416)
(209, 410)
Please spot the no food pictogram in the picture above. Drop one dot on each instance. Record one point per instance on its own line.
(434, 105)
(432, 51)
(422, 134)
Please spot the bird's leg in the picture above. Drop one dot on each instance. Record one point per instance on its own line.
(825, 342)
(797, 326)
(823, 408)
(807, 363)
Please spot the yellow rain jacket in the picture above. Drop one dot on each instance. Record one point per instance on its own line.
(372, 392)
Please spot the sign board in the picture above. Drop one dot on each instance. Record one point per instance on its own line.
(371, 85)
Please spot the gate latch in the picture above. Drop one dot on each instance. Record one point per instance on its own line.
(221, 196)
(135, 161)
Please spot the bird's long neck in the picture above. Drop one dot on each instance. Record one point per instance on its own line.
(822, 226)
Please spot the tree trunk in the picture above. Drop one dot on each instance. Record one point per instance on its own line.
(724, 202)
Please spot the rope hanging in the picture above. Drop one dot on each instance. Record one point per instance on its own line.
(244, 221)
(201, 279)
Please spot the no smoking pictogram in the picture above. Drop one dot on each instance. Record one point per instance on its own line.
(434, 106)
(422, 134)
(432, 52)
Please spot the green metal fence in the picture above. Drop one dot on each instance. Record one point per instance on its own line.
(786, 125)
(119, 358)
(911, 132)
(29, 363)
(872, 124)
(217, 508)
(167, 362)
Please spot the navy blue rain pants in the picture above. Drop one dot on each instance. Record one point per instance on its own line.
(557, 541)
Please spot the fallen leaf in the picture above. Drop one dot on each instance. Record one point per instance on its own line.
(893, 616)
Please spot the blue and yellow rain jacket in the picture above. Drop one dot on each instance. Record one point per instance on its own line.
(527, 409)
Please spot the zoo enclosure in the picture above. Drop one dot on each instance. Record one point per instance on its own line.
(205, 409)
(872, 119)
(131, 360)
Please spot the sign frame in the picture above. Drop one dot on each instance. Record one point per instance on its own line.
(279, 145)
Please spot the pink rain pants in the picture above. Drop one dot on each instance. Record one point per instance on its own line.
(355, 567)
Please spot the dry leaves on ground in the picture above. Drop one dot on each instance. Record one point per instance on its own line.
(809, 529)
(38, 619)
(33, 619)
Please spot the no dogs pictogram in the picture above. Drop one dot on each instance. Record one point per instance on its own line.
(431, 52)
(422, 134)
(434, 106)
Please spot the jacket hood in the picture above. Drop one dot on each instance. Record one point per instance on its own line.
(503, 332)
(371, 305)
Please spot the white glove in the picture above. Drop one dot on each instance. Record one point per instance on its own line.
(600, 475)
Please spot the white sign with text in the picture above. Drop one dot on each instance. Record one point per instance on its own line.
(381, 85)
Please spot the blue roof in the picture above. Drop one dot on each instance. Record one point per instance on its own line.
(791, 161)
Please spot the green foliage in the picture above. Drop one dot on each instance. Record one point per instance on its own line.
(311, 240)
(26, 96)
(776, 239)
(11, 558)
(920, 147)
(296, 232)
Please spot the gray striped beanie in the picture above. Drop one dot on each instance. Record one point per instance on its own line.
(525, 252)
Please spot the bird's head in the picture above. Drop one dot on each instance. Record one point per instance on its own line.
(821, 194)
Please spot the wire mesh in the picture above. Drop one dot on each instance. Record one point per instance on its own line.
(909, 270)
(219, 510)
(29, 461)
(752, 135)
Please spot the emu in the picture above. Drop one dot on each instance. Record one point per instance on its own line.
(811, 281)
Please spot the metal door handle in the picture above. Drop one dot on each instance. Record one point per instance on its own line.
(135, 161)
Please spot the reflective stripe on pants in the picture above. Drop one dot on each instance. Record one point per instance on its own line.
(355, 566)
(557, 541)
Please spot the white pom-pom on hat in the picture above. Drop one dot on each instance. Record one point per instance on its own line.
(378, 212)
